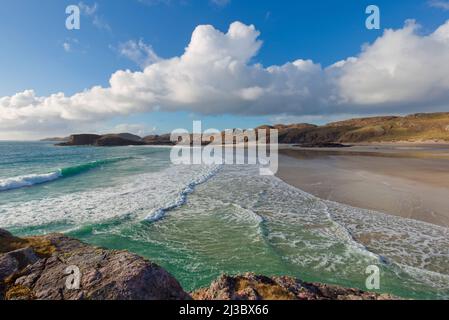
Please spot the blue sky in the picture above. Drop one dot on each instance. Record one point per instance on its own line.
(39, 53)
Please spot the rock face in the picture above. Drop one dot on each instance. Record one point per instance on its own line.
(158, 140)
(117, 140)
(254, 287)
(128, 136)
(414, 128)
(81, 140)
(39, 271)
(107, 140)
(14, 261)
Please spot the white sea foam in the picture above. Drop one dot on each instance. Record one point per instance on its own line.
(324, 235)
(143, 194)
(181, 198)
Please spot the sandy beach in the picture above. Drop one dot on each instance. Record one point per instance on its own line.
(408, 180)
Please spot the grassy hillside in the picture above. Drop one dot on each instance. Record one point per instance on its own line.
(414, 128)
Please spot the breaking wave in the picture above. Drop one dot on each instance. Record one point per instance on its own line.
(36, 179)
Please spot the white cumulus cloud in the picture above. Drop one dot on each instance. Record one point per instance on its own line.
(402, 71)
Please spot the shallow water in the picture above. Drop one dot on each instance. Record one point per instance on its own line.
(200, 221)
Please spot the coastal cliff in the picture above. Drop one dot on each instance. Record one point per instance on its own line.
(107, 140)
(35, 268)
(420, 127)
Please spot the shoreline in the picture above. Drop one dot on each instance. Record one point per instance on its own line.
(410, 181)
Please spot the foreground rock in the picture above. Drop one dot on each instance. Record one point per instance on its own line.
(37, 269)
(253, 287)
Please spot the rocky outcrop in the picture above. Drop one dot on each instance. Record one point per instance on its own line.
(81, 140)
(107, 140)
(415, 128)
(158, 140)
(116, 141)
(127, 136)
(253, 287)
(41, 270)
(14, 261)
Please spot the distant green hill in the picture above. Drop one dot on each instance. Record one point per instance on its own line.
(413, 128)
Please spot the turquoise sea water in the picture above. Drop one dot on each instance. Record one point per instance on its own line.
(200, 221)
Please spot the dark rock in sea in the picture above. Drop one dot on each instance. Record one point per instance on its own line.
(39, 271)
(254, 287)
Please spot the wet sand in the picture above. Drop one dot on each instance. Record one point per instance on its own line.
(408, 180)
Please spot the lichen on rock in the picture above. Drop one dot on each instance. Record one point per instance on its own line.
(255, 287)
(39, 271)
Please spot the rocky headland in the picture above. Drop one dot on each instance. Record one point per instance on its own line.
(420, 127)
(42, 268)
(107, 140)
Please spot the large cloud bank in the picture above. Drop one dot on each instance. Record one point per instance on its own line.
(402, 71)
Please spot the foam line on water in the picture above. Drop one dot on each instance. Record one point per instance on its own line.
(346, 233)
(136, 195)
(181, 198)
